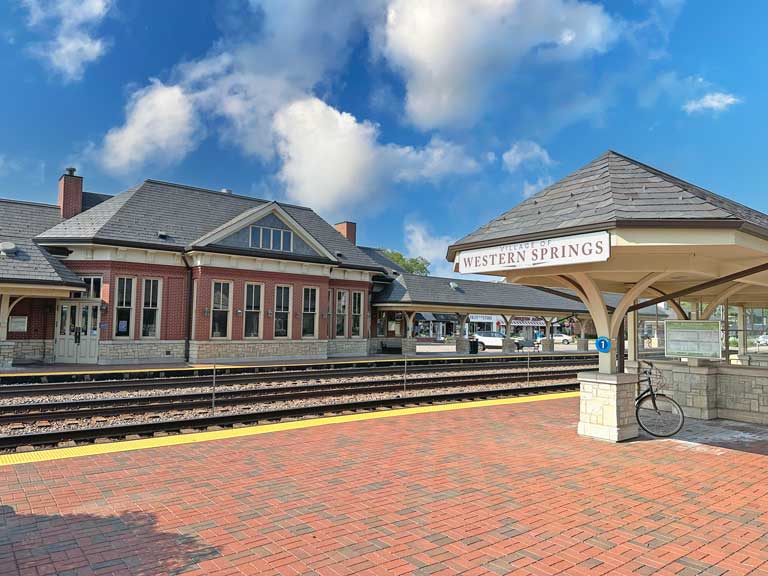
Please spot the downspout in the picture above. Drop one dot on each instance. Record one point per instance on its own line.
(190, 291)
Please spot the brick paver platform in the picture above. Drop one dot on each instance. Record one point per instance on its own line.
(505, 489)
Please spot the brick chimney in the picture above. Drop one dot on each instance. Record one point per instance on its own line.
(70, 194)
(348, 230)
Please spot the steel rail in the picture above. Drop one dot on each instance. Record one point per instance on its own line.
(74, 409)
(225, 379)
(120, 431)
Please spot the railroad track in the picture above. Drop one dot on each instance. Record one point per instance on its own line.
(78, 409)
(43, 388)
(121, 431)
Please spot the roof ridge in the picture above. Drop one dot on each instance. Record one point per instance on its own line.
(29, 202)
(698, 191)
(222, 194)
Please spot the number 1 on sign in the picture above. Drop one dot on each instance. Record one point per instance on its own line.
(603, 344)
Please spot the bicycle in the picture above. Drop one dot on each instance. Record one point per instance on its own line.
(657, 413)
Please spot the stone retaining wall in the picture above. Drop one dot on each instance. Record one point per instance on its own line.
(140, 351)
(6, 354)
(33, 351)
(347, 347)
(243, 350)
(375, 345)
(710, 390)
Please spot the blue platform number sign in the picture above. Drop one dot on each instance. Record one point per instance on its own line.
(603, 344)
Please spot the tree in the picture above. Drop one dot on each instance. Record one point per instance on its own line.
(417, 265)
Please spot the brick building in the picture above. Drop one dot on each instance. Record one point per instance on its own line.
(164, 272)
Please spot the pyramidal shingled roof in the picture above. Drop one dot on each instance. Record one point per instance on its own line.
(611, 191)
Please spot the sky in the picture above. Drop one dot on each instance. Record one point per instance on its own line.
(418, 119)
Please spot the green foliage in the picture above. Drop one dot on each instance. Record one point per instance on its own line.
(416, 265)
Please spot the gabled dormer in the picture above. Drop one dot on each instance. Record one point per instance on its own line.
(267, 230)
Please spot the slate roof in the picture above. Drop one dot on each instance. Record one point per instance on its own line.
(185, 214)
(19, 222)
(378, 255)
(613, 190)
(437, 291)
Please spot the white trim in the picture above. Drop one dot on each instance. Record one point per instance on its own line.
(261, 309)
(290, 313)
(352, 314)
(132, 320)
(159, 308)
(194, 309)
(346, 314)
(254, 215)
(229, 310)
(316, 313)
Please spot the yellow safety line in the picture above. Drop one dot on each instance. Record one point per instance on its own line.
(130, 445)
(162, 368)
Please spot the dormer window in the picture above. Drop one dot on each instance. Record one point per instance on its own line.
(275, 239)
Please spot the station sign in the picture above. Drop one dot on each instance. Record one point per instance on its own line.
(693, 339)
(576, 249)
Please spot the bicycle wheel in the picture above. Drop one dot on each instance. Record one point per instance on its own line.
(663, 420)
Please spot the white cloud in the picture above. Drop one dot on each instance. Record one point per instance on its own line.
(711, 102)
(452, 52)
(531, 188)
(161, 126)
(419, 242)
(333, 162)
(525, 152)
(8, 165)
(72, 23)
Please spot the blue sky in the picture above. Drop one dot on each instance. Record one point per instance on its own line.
(420, 120)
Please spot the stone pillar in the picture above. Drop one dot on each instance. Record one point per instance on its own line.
(547, 345)
(6, 354)
(409, 346)
(462, 345)
(607, 406)
(694, 386)
(582, 344)
(5, 301)
(742, 320)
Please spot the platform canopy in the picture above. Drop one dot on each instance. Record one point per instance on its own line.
(618, 225)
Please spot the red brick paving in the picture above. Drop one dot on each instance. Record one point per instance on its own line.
(501, 490)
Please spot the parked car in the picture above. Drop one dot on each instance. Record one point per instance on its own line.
(558, 339)
(487, 339)
(762, 340)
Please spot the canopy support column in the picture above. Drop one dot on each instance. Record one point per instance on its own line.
(5, 310)
(742, 324)
(462, 342)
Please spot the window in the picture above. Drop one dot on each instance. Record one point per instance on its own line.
(342, 296)
(252, 310)
(309, 313)
(220, 310)
(124, 308)
(357, 314)
(271, 239)
(92, 288)
(150, 312)
(282, 311)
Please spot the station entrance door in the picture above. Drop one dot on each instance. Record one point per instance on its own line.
(77, 332)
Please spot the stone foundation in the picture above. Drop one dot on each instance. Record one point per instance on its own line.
(582, 345)
(547, 345)
(607, 406)
(409, 346)
(244, 350)
(6, 354)
(508, 346)
(33, 351)
(462, 345)
(140, 351)
(347, 347)
(760, 360)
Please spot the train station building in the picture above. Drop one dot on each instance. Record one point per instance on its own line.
(169, 273)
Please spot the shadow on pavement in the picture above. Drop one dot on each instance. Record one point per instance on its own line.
(741, 436)
(83, 544)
